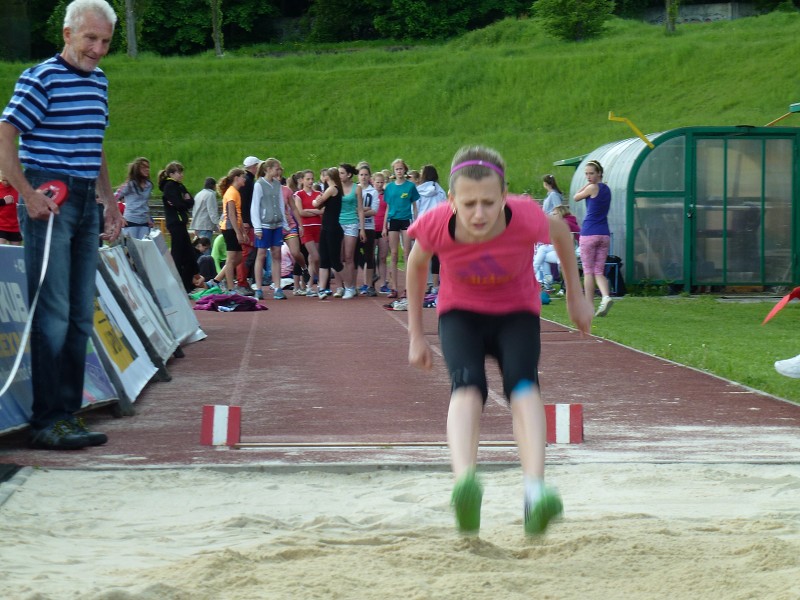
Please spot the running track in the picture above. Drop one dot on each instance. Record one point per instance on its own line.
(333, 375)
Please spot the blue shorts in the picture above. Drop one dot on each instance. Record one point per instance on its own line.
(269, 238)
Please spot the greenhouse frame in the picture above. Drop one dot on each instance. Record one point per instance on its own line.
(704, 206)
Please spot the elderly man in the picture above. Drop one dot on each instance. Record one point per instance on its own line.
(59, 112)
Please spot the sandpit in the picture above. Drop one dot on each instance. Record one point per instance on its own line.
(632, 531)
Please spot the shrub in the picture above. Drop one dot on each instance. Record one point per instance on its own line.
(574, 20)
(648, 288)
(786, 6)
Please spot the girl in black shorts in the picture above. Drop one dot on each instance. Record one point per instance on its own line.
(489, 305)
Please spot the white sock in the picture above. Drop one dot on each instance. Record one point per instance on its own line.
(534, 487)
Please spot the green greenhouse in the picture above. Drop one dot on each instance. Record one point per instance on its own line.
(703, 206)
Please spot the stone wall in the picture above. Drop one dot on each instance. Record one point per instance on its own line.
(703, 13)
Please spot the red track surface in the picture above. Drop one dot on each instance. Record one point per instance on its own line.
(335, 373)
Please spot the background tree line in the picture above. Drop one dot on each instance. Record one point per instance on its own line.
(32, 28)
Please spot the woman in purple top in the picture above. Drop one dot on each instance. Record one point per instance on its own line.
(595, 235)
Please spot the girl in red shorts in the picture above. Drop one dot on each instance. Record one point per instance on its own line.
(312, 225)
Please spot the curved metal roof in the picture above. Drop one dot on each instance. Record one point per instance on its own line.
(623, 159)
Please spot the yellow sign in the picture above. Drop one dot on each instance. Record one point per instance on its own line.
(112, 339)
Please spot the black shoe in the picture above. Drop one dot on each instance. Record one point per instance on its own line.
(95, 438)
(58, 436)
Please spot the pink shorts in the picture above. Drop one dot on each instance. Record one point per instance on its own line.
(594, 251)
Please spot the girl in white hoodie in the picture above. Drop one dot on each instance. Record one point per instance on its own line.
(431, 195)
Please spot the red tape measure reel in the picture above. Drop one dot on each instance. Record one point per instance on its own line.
(55, 190)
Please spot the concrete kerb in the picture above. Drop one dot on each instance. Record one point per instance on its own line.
(355, 468)
(8, 488)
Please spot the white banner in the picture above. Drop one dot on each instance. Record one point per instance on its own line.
(167, 291)
(15, 404)
(124, 355)
(161, 244)
(129, 289)
(97, 386)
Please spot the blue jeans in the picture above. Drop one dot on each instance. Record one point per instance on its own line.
(138, 232)
(64, 315)
(545, 256)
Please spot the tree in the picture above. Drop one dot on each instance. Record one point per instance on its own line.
(672, 10)
(423, 19)
(130, 28)
(441, 19)
(15, 39)
(344, 20)
(53, 30)
(573, 20)
(216, 25)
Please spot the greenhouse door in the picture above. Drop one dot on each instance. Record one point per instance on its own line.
(741, 221)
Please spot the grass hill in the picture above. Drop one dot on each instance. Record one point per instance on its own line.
(535, 98)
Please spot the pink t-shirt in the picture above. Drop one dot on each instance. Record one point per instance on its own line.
(494, 277)
(380, 216)
(288, 196)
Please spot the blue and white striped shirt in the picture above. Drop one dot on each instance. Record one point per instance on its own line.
(61, 114)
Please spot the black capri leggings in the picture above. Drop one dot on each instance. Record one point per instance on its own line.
(468, 337)
(183, 254)
(365, 251)
(330, 248)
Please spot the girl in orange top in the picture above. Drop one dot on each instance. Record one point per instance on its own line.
(231, 223)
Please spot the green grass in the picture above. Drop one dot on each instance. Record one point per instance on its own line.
(723, 338)
(535, 98)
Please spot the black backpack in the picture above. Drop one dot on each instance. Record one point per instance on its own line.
(613, 272)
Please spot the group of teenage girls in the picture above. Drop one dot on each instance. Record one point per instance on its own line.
(349, 222)
(343, 227)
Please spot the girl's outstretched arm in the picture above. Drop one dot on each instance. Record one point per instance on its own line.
(579, 307)
(419, 352)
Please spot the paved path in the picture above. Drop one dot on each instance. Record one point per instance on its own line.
(334, 375)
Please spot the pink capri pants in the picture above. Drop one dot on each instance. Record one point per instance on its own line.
(594, 251)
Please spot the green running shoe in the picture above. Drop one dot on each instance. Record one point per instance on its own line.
(538, 516)
(466, 500)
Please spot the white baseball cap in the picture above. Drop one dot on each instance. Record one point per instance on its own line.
(250, 161)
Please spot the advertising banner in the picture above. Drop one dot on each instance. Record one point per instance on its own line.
(169, 294)
(158, 239)
(136, 300)
(15, 404)
(121, 351)
(97, 387)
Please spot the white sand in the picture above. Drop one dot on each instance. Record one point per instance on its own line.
(635, 531)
